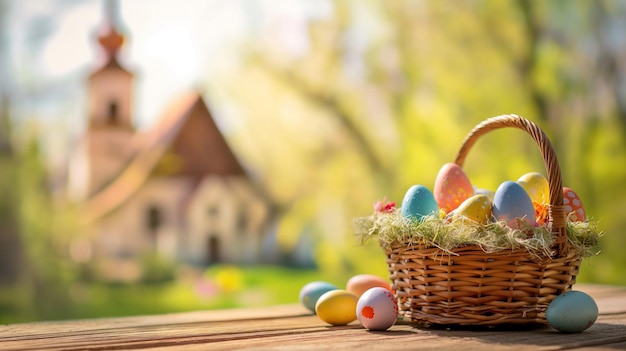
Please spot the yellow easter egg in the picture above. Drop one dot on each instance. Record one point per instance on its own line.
(476, 208)
(337, 307)
(536, 185)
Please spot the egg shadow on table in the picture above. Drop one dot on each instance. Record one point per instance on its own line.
(609, 336)
(349, 326)
(390, 332)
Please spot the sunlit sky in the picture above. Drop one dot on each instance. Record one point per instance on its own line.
(171, 46)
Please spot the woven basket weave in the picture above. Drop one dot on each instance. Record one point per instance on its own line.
(472, 287)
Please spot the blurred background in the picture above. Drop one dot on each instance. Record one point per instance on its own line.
(164, 156)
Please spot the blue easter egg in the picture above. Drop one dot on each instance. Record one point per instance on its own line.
(511, 202)
(418, 203)
(572, 312)
(311, 292)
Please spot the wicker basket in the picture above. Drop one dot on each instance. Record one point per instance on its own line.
(471, 287)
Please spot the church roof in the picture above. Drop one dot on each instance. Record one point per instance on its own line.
(187, 131)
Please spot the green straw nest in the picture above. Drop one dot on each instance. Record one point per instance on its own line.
(392, 229)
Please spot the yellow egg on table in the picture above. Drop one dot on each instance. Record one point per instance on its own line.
(337, 307)
(537, 187)
(476, 208)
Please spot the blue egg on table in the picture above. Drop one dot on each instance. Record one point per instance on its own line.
(311, 292)
(511, 202)
(572, 312)
(418, 203)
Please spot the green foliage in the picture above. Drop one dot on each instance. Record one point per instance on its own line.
(157, 269)
(374, 108)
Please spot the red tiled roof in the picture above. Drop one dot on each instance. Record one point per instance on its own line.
(166, 136)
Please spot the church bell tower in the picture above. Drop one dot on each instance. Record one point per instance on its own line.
(110, 90)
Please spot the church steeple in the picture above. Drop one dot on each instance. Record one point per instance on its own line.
(111, 40)
(110, 87)
(110, 92)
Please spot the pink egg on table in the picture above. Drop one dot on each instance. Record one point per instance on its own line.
(452, 187)
(377, 309)
(360, 283)
(573, 206)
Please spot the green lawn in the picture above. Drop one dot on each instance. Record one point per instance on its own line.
(216, 287)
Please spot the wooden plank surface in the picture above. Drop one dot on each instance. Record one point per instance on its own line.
(291, 327)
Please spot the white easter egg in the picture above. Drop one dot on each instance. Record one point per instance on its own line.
(377, 309)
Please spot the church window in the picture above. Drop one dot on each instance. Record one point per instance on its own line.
(213, 249)
(113, 113)
(154, 218)
(242, 222)
(213, 211)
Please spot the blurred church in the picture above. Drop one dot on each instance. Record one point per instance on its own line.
(177, 191)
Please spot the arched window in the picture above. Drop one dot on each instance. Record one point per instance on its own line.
(242, 222)
(113, 113)
(154, 221)
(213, 249)
(154, 218)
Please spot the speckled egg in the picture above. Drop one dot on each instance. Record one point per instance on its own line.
(311, 292)
(452, 187)
(476, 208)
(360, 283)
(573, 206)
(511, 202)
(572, 312)
(377, 309)
(537, 187)
(337, 307)
(418, 203)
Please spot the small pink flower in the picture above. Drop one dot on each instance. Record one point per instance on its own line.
(384, 206)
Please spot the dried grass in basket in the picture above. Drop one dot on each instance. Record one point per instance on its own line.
(469, 286)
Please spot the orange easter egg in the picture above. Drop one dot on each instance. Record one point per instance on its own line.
(573, 206)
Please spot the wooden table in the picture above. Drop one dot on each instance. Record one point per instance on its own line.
(290, 327)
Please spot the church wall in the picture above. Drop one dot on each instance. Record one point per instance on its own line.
(109, 152)
(226, 213)
(149, 223)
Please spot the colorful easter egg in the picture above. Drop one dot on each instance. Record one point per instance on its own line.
(336, 307)
(311, 292)
(452, 187)
(573, 206)
(511, 202)
(377, 309)
(536, 185)
(360, 283)
(572, 312)
(476, 208)
(418, 203)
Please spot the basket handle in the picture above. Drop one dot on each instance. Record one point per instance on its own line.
(556, 210)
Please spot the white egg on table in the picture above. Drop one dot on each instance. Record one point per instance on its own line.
(377, 309)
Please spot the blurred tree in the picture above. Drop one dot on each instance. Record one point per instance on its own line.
(35, 271)
(385, 92)
(10, 241)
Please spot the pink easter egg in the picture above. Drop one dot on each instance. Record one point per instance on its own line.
(452, 187)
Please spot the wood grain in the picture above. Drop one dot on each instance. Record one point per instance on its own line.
(291, 327)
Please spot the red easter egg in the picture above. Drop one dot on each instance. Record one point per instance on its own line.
(573, 206)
